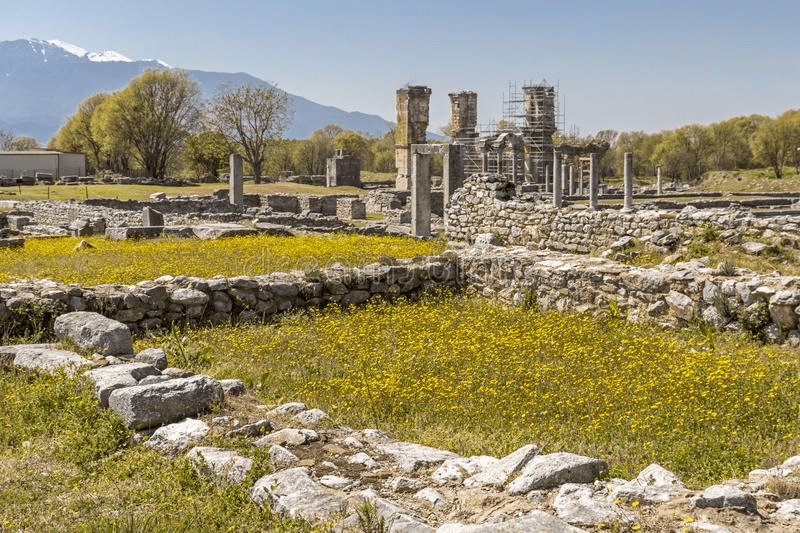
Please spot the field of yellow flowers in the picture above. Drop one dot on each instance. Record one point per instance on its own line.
(477, 377)
(131, 261)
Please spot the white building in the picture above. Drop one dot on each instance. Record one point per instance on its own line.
(59, 164)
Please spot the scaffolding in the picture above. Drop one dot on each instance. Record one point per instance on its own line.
(530, 112)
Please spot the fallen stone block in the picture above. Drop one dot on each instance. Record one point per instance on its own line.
(221, 231)
(410, 456)
(153, 356)
(219, 463)
(173, 438)
(575, 504)
(653, 485)
(288, 437)
(110, 378)
(256, 429)
(95, 332)
(456, 469)
(554, 469)
(293, 494)
(722, 496)
(42, 358)
(535, 521)
(144, 406)
(497, 474)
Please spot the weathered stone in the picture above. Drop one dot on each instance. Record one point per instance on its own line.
(311, 416)
(93, 331)
(109, 378)
(188, 297)
(288, 409)
(256, 429)
(220, 231)
(153, 356)
(681, 305)
(396, 519)
(363, 459)
(457, 469)
(576, 505)
(788, 510)
(336, 482)
(535, 521)
(174, 438)
(144, 406)
(433, 498)
(293, 494)
(410, 456)
(722, 496)
(42, 358)
(551, 470)
(653, 485)
(288, 437)
(498, 473)
(232, 387)
(754, 248)
(281, 457)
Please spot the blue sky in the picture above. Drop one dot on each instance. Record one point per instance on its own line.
(623, 65)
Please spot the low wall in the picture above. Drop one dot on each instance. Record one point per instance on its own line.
(487, 205)
(737, 299)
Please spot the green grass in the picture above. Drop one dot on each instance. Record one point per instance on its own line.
(131, 261)
(480, 378)
(143, 192)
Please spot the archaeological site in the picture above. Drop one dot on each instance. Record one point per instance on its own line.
(527, 221)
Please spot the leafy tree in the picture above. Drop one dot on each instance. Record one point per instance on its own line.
(156, 112)
(353, 143)
(252, 116)
(22, 143)
(683, 153)
(6, 138)
(115, 148)
(207, 151)
(775, 140)
(76, 135)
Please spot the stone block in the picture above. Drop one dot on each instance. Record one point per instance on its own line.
(95, 332)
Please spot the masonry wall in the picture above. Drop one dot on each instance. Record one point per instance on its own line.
(486, 204)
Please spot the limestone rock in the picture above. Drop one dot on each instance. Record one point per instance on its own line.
(653, 485)
(174, 438)
(220, 231)
(293, 494)
(551, 470)
(721, 496)
(109, 378)
(256, 429)
(754, 248)
(144, 406)
(42, 358)
(288, 437)
(396, 518)
(311, 416)
(535, 521)
(498, 473)
(788, 509)
(232, 387)
(94, 332)
(410, 456)
(681, 305)
(456, 469)
(288, 409)
(576, 505)
(153, 356)
(336, 482)
(363, 459)
(281, 457)
(432, 497)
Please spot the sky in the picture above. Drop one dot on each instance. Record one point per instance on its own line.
(645, 65)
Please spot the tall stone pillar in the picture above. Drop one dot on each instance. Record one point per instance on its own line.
(236, 181)
(659, 187)
(547, 183)
(420, 195)
(557, 169)
(628, 179)
(452, 172)
(594, 181)
(413, 104)
(571, 188)
(463, 115)
(580, 178)
(563, 177)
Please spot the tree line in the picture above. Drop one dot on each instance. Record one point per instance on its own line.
(686, 153)
(160, 125)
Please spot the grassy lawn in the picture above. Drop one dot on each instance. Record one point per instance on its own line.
(143, 192)
(476, 377)
(131, 261)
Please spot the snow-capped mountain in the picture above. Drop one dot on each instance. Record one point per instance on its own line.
(43, 81)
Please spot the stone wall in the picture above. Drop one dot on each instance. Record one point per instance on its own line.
(486, 204)
(736, 299)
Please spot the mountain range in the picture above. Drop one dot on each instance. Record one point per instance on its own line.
(42, 83)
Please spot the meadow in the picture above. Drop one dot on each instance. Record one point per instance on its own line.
(131, 261)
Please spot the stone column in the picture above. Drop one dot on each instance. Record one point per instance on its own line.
(563, 177)
(452, 172)
(548, 185)
(557, 169)
(580, 179)
(236, 181)
(659, 189)
(571, 188)
(420, 195)
(628, 181)
(594, 182)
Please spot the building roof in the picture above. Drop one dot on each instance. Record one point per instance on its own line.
(36, 152)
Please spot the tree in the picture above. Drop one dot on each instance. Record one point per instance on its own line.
(352, 143)
(775, 140)
(76, 135)
(252, 116)
(207, 152)
(6, 138)
(684, 152)
(22, 143)
(156, 112)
